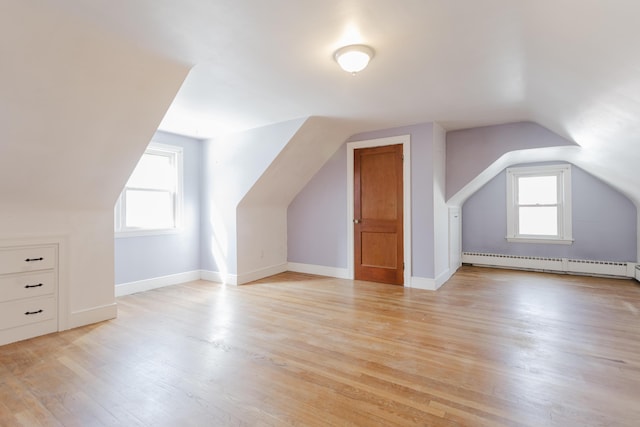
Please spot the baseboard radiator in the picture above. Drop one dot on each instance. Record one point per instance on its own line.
(563, 265)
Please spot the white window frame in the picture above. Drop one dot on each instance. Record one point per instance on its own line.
(563, 174)
(175, 153)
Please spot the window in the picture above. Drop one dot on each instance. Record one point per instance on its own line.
(151, 202)
(539, 204)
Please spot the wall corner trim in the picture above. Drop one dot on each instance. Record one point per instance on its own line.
(211, 276)
(422, 283)
(218, 277)
(443, 277)
(260, 273)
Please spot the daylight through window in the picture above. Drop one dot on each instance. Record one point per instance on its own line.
(152, 198)
(539, 204)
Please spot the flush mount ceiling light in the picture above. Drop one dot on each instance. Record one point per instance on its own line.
(353, 58)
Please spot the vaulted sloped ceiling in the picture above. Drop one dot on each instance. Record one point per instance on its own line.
(571, 65)
(77, 108)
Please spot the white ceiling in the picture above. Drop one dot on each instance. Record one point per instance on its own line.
(572, 66)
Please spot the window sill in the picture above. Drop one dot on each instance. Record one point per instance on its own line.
(545, 241)
(145, 233)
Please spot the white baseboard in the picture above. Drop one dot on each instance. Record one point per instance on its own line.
(93, 315)
(232, 279)
(260, 273)
(156, 282)
(423, 283)
(216, 276)
(343, 273)
(443, 277)
(241, 279)
(27, 331)
(320, 270)
(211, 276)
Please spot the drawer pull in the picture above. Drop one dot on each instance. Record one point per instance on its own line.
(28, 313)
(33, 259)
(33, 286)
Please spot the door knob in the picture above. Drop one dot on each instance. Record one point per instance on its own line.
(356, 221)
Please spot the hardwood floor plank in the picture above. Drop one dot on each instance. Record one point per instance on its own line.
(490, 348)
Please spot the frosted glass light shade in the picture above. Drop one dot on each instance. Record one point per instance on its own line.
(353, 58)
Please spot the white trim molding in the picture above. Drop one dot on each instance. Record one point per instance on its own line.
(175, 154)
(423, 283)
(93, 315)
(319, 270)
(405, 140)
(25, 332)
(260, 273)
(443, 277)
(156, 282)
(211, 276)
(562, 203)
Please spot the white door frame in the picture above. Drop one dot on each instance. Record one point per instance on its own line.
(405, 140)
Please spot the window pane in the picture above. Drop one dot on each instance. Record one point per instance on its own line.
(538, 220)
(534, 190)
(153, 171)
(149, 209)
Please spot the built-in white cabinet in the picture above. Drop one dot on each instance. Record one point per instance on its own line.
(455, 239)
(28, 291)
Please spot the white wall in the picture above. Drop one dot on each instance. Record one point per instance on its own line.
(232, 165)
(262, 241)
(441, 211)
(77, 110)
(250, 179)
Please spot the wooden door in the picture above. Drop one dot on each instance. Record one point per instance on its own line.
(378, 214)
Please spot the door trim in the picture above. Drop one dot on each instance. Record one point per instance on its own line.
(405, 140)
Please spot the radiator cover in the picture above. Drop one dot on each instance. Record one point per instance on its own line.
(590, 267)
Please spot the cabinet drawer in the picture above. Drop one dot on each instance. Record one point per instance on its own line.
(27, 285)
(27, 258)
(26, 311)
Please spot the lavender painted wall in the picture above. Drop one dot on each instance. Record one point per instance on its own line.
(317, 216)
(470, 151)
(148, 257)
(604, 222)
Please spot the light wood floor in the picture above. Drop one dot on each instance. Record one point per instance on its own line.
(491, 347)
